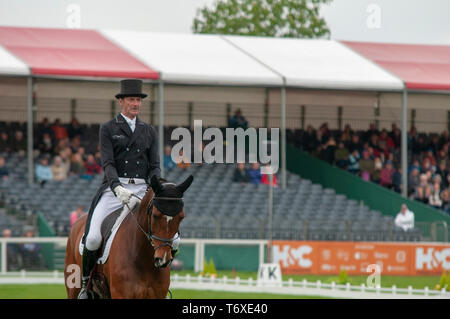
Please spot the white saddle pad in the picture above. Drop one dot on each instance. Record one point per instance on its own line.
(119, 220)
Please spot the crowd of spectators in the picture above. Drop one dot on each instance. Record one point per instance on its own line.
(59, 149)
(252, 175)
(375, 156)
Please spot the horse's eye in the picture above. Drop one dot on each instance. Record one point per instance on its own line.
(155, 216)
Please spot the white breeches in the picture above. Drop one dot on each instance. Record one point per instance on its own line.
(107, 204)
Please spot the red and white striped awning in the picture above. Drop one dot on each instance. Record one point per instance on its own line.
(72, 53)
(421, 67)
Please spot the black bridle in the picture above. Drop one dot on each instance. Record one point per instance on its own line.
(150, 236)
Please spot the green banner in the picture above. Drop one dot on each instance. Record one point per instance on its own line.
(187, 255)
(47, 250)
(227, 257)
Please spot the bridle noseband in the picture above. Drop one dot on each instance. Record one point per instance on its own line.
(150, 236)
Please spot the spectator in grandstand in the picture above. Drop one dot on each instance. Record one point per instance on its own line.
(66, 156)
(374, 148)
(413, 180)
(371, 131)
(92, 168)
(444, 138)
(385, 142)
(378, 166)
(266, 180)
(447, 181)
(75, 143)
(445, 197)
(435, 197)
(309, 139)
(328, 150)
(31, 253)
(441, 170)
(238, 120)
(4, 173)
(81, 151)
(397, 180)
(355, 144)
(19, 144)
(366, 166)
(412, 139)
(61, 145)
(12, 252)
(442, 154)
(240, 174)
(45, 127)
(74, 129)
(5, 143)
(182, 161)
(396, 135)
(415, 165)
(353, 162)
(405, 218)
(341, 155)
(386, 174)
(423, 190)
(255, 174)
(77, 213)
(77, 165)
(59, 130)
(323, 133)
(430, 161)
(43, 171)
(169, 164)
(346, 135)
(420, 145)
(45, 144)
(433, 148)
(59, 171)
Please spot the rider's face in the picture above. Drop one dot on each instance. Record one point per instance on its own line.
(130, 106)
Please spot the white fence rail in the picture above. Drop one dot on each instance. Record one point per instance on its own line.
(199, 245)
(62, 241)
(304, 288)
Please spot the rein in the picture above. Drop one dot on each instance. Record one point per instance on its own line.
(149, 235)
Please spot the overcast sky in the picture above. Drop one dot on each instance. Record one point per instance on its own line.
(396, 21)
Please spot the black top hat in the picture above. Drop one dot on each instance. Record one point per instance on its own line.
(130, 87)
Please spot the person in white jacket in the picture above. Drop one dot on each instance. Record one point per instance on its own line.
(405, 218)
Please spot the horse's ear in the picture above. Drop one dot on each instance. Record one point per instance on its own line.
(185, 185)
(155, 184)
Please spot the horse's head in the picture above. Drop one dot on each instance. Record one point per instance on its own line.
(166, 212)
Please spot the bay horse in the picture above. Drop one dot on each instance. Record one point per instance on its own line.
(137, 266)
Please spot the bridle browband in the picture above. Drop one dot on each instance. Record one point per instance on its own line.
(150, 236)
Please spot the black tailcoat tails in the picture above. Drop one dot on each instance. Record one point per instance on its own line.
(126, 154)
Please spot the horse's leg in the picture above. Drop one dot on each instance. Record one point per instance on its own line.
(125, 281)
(161, 280)
(72, 266)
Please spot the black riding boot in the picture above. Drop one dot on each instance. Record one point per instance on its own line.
(88, 263)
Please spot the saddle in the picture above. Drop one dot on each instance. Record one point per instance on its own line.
(108, 229)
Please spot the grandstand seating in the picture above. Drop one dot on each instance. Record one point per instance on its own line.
(218, 208)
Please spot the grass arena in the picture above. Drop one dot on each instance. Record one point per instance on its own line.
(57, 291)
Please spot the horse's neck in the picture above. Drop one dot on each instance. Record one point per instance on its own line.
(141, 226)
